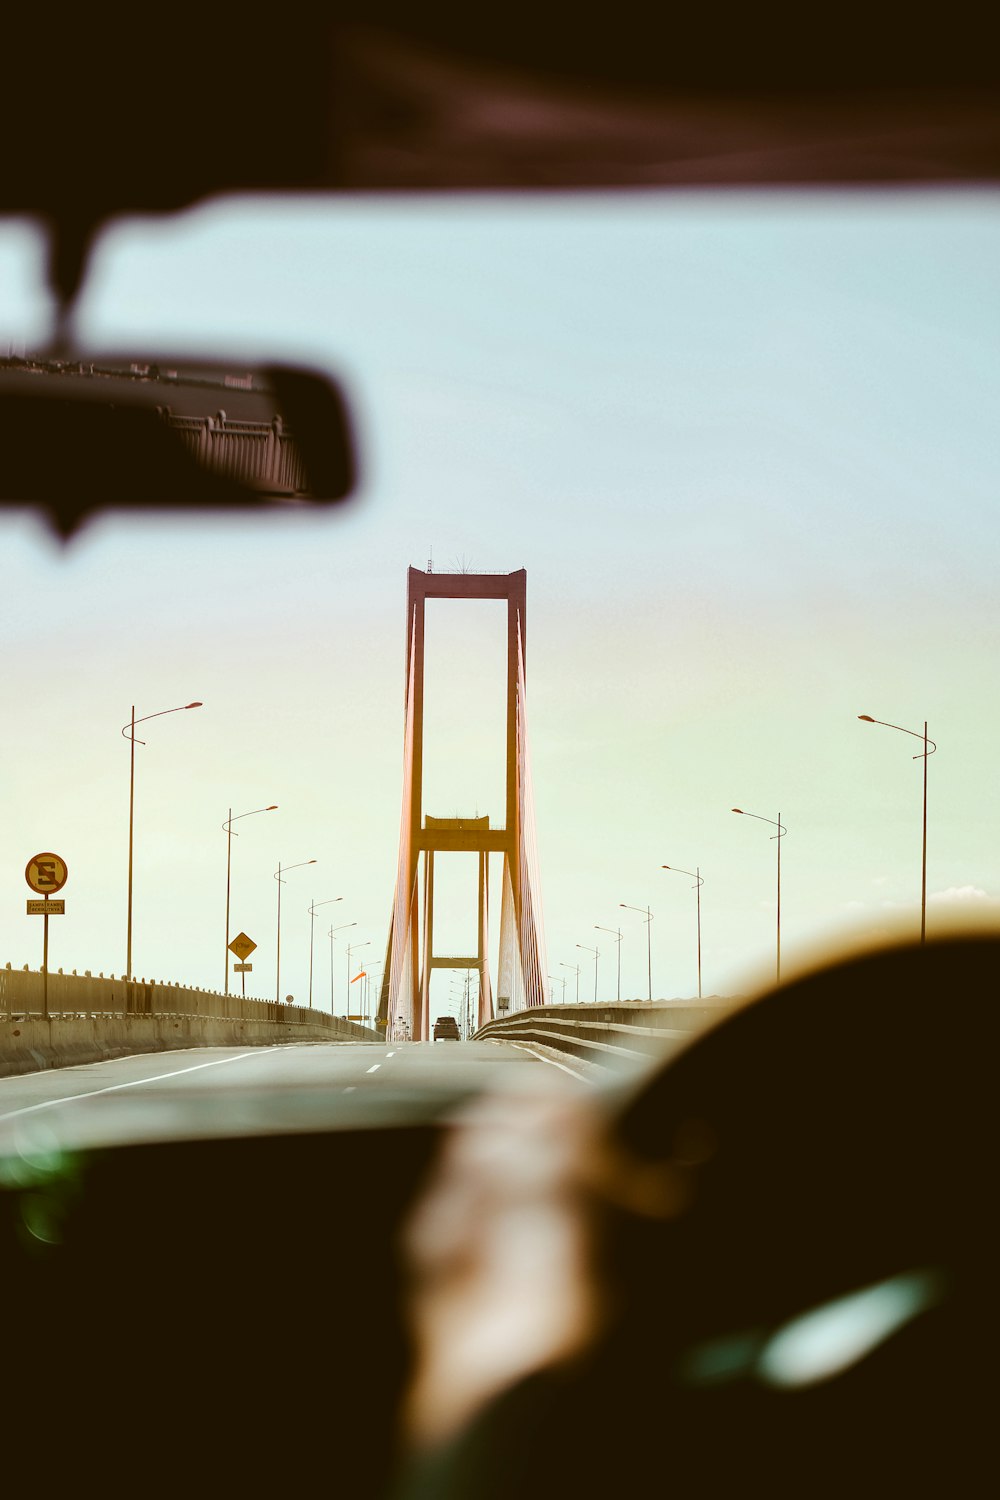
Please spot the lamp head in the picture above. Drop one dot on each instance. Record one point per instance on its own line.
(194, 705)
(867, 718)
(272, 808)
(737, 809)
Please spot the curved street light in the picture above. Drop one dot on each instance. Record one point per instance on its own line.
(128, 730)
(313, 908)
(616, 933)
(230, 835)
(343, 926)
(782, 830)
(923, 755)
(649, 940)
(695, 875)
(596, 952)
(559, 979)
(277, 876)
(461, 1000)
(470, 1025)
(576, 971)
(369, 969)
(373, 969)
(353, 948)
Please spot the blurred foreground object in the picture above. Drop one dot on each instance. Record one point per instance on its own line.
(500, 1253)
(391, 95)
(81, 435)
(395, 97)
(796, 1293)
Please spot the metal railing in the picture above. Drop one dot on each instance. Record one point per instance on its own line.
(261, 454)
(22, 994)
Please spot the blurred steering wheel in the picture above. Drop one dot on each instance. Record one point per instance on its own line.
(801, 1272)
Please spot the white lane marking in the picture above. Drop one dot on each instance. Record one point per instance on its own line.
(349, 1089)
(374, 1066)
(390, 1054)
(133, 1083)
(527, 1047)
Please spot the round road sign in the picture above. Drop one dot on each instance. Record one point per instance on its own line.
(46, 873)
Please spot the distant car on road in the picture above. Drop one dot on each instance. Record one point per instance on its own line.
(446, 1029)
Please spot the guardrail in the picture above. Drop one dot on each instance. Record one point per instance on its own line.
(609, 1036)
(22, 992)
(88, 1018)
(258, 453)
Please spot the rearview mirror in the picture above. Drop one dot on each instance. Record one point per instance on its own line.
(82, 435)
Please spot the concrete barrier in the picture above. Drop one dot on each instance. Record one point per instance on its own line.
(28, 1044)
(610, 1036)
(90, 1018)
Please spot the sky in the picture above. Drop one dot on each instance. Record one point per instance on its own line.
(745, 446)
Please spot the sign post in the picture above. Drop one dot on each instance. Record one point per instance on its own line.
(242, 946)
(46, 874)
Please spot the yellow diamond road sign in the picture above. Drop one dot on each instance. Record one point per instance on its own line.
(242, 946)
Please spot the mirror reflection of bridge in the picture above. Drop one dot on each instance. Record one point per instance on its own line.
(404, 1005)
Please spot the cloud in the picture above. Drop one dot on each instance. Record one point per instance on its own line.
(964, 894)
(964, 897)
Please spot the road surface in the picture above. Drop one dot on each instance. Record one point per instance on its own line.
(241, 1090)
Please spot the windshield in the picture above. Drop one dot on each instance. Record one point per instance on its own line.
(744, 446)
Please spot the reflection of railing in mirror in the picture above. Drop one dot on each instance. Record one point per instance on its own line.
(262, 454)
(233, 423)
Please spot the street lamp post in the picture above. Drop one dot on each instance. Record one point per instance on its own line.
(277, 876)
(596, 952)
(128, 730)
(559, 979)
(576, 971)
(369, 970)
(616, 933)
(352, 948)
(464, 1002)
(330, 935)
(230, 835)
(696, 875)
(782, 830)
(313, 908)
(923, 755)
(645, 911)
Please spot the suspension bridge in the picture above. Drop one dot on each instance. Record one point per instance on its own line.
(411, 958)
